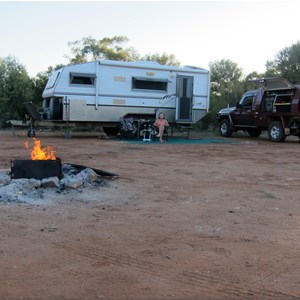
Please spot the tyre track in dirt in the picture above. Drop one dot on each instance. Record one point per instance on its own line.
(214, 285)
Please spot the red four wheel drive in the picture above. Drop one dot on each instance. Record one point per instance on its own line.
(274, 107)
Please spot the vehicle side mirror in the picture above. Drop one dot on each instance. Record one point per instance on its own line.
(238, 105)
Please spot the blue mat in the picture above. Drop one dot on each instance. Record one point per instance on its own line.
(182, 140)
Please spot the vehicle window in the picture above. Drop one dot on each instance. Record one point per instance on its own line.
(247, 101)
(267, 103)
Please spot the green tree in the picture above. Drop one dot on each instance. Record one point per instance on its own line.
(225, 88)
(15, 89)
(248, 84)
(226, 79)
(163, 59)
(286, 64)
(90, 49)
(38, 85)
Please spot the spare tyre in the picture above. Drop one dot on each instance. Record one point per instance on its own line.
(55, 108)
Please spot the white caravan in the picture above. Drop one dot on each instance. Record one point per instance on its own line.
(102, 92)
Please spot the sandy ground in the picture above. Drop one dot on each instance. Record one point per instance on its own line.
(201, 221)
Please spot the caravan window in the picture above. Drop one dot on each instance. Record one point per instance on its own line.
(149, 84)
(52, 80)
(85, 79)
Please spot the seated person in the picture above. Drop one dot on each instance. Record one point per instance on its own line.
(161, 123)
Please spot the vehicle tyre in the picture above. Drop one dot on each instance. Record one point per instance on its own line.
(276, 132)
(254, 132)
(225, 128)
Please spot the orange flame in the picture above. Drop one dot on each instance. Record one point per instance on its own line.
(39, 153)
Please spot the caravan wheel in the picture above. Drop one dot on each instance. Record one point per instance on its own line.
(112, 131)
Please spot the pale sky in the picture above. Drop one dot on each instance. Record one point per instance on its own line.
(196, 32)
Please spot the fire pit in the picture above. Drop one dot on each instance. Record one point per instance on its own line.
(43, 164)
(38, 180)
(37, 169)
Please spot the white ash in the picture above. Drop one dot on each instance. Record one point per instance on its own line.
(35, 191)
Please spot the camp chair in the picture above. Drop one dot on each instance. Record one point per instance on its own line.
(165, 134)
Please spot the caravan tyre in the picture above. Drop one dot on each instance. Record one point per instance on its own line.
(112, 131)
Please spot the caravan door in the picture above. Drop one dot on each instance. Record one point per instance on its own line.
(184, 98)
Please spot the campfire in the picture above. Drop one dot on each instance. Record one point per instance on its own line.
(43, 163)
(30, 180)
(39, 153)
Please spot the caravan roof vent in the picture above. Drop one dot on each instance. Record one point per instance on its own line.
(193, 67)
(149, 62)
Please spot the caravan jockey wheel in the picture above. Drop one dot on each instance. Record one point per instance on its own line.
(31, 133)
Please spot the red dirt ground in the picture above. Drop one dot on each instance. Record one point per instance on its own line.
(200, 221)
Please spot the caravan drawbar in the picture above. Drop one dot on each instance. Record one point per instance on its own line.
(102, 92)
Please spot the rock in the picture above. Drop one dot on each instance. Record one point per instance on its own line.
(87, 175)
(75, 181)
(34, 183)
(71, 182)
(50, 182)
